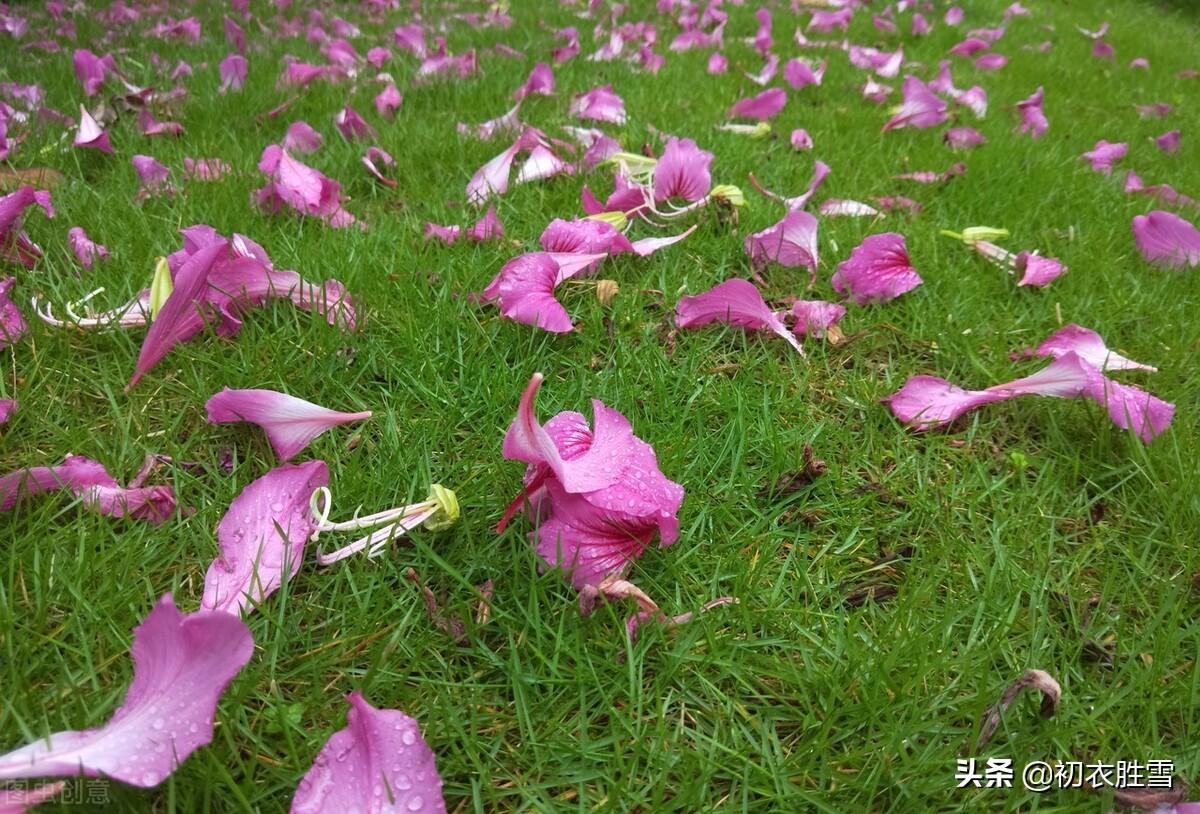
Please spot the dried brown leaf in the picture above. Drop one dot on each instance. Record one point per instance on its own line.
(1039, 680)
(606, 291)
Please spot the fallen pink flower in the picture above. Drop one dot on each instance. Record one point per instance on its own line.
(963, 138)
(263, 535)
(290, 423)
(875, 92)
(800, 74)
(878, 270)
(96, 489)
(921, 108)
(601, 104)
(1104, 155)
(353, 126)
(1140, 62)
(542, 163)
(926, 177)
(825, 21)
(86, 251)
(683, 171)
(205, 169)
(446, 234)
(1089, 346)
(492, 127)
(12, 324)
(234, 35)
(597, 491)
(885, 64)
(1102, 50)
(378, 763)
(15, 244)
(969, 47)
(487, 228)
(411, 38)
(233, 73)
(301, 138)
(792, 243)
(800, 140)
(717, 63)
(1033, 119)
(991, 62)
(815, 318)
(492, 177)
(388, 101)
(1166, 239)
(90, 135)
(149, 126)
(953, 16)
(539, 83)
(734, 302)
(766, 73)
(1156, 110)
(92, 70)
(373, 159)
(181, 666)
(524, 291)
(1168, 142)
(1162, 192)
(378, 56)
(7, 408)
(920, 26)
(765, 105)
(152, 174)
(300, 188)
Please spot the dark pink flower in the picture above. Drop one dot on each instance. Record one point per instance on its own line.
(233, 73)
(1168, 142)
(1103, 50)
(1033, 119)
(15, 245)
(1104, 155)
(920, 109)
(378, 763)
(388, 101)
(764, 106)
(1167, 240)
(89, 134)
(792, 243)
(524, 290)
(801, 140)
(734, 302)
(539, 83)
(878, 270)
(991, 62)
(290, 423)
(181, 666)
(86, 251)
(152, 174)
(301, 138)
(597, 491)
(683, 171)
(262, 537)
(815, 317)
(92, 70)
(300, 188)
(601, 104)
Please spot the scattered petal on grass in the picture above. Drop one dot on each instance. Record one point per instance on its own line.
(1033, 118)
(765, 105)
(792, 243)
(291, 423)
(1104, 155)
(89, 481)
(15, 245)
(1089, 346)
(921, 107)
(877, 270)
(815, 318)
(1167, 240)
(600, 104)
(90, 135)
(86, 251)
(734, 302)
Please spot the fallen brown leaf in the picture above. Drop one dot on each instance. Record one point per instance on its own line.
(40, 177)
(1040, 680)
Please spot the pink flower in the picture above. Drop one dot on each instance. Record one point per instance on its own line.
(991, 62)
(149, 126)
(921, 108)
(7, 408)
(792, 243)
(683, 171)
(1033, 119)
(969, 47)
(410, 38)
(963, 138)
(378, 763)
(376, 157)
(291, 424)
(878, 270)
(1102, 50)
(539, 83)
(875, 92)
(301, 188)
(92, 70)
(920, 26)
(1166, 239)
(826, 21)
(90, 135)
(487, 228)
(801, 140)
(1168, 142)
(764, 106)
(152, 174)
(815, 317)
(524, 290)
(234, 35)
(953, 16)
(353, 126)
(233, 73)
(86, 251)
(301, 138)
(181, 666)
(885, 64)
(1089, 346)
(388, 101)
(601, 104)
(717, 63)
(446, 234)
(925, 402)
(597, 491)
(1038, 271)
(1104, 155)
(15, 245)
(734, 302)
(584, 237)
(96, 489)
(799, 74)
(542, 163)
(12, 324)
(261, 536)
(493, 127)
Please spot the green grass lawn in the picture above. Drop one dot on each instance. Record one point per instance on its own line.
(1034, 534)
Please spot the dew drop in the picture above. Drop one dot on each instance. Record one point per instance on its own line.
(409, 737)
(415, 803)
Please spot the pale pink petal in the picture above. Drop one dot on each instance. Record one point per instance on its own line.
(1038, 271)
(539, 83)
(734, 302)
(1104, 155)
(301, 138)
(792, 243)
(524, 289)
(843, 208)
(963, 138)
(492, 127)
(921, 108)
(601, 104)
(717, 63)
(801, 140)
(205, 169)
(487, 228)
(353, 126)
(262, 536)
(826, 21)
(87, 252)
(764, 106)
(233, 70)
(1089, 346)
(446, 234)
(683, 171)
(291, 423)
(1130, 407)
(89, 134)
(820, 173)
(1033, 119)
(1167, 240)
(878, 270)
(375, 158)
(388, 101)
(492, 177)
(815, 317)
(149, 126)
(991, 62)
(181, 666)
(378, 763)
(649, 245)
(542, 163)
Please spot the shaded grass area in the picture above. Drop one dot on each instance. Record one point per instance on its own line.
(1027, 519)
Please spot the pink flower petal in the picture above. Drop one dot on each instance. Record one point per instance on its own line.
(524, 290)
(291, 423)
(86, 251)
(1104, 155)
(378, 763)
(800, 74)
(801, 140)
(353, 126)
(600, 104)
(90, 482)
(181, 666)
(1089, 346)
(261, 536)
(301, 138)
(153, 175)
(1168, 142)
(446, 234)
(1166, 239)
(1038, 271)
(1033, 119)
(683, 171)
(584, 237)
(878, 270)
(373, 159)
(765, 105)
(539, 83)
(963, 138)
(717, 63)
(734, 302)
(921, 108)
(90, 135)
(815, 317)
(388, 101)
(792, 243)
(487, 228)
(205, 169)
(7, 408)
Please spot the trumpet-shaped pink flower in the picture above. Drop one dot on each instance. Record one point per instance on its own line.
(1168, 142)
(683, 171)
(1089, 346)
(597, 490)
(300, 188)
(921, 107)
(353, 126)
(15, 245)
(792, 243)
(1166, 239)
(963, 138)
(378, 763)
(291, 423)
(233, 70)
(925, 402)
(1104, 155)
(1033, 118)
(301, 138)
(12, 324)
(800, 74)
(86, 251)
(539, 83)
(600, 104)
(878, 270)
(263, 535)
(96, 489)
(734, 302)
(388, 101)
(90, 135)
(765, 105)
(181, 666)
(815, 317)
